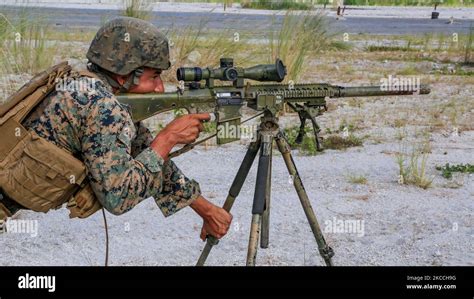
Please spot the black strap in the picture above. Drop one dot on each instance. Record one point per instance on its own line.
(10, 204)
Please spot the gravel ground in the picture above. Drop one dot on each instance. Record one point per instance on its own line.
(403, 225)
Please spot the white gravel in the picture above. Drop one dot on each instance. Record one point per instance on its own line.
(403, 225)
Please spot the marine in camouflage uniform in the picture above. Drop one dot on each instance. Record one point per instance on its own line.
(97, 129)
(88, 121)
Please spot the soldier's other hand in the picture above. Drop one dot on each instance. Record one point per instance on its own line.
(182, 130)
(216, 223)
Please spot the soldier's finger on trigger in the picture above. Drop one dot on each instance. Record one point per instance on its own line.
(202, 116)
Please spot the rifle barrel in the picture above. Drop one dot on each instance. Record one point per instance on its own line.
(378, 90)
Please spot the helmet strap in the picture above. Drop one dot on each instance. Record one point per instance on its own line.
(134, 77)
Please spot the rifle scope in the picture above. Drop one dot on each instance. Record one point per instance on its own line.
(227, 72)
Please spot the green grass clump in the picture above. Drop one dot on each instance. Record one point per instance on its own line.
(357, 179)
(373, 48)
(447, 170)
(337, 142)
(276, 4)
(307, 146)
(409, 71)
(412, 168)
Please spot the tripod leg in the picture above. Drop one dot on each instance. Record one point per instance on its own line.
(265, 233)
(233, 193)
(316, 130)
(261, 187)
(253, 241)
(325, 251)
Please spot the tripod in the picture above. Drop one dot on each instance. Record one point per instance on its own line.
(268, 132)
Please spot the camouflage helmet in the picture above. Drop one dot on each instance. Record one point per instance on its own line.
(125, 44)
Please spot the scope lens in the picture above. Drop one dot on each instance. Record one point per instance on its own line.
(180, 74)
(280, 69)
(189, 74)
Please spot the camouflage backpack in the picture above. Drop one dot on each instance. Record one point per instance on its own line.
(34, 172)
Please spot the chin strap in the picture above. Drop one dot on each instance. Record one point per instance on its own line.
(133, 79)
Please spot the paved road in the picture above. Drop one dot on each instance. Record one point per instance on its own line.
(257, 24)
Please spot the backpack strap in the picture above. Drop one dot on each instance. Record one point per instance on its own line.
(20, 104)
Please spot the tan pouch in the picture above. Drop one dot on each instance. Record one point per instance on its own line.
(84, 203)
(38, 174)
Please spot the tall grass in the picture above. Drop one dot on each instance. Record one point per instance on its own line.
(412, 165)
(23, 44)
(194, 46)
(300, 35)
(140, 9)
(469, 41)
(186, 40)
(24, 49)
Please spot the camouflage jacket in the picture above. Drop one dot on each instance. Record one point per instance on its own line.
(83, 116)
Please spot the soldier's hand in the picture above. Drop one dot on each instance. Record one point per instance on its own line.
(182, 130)
(186, 129)
(216, 223)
